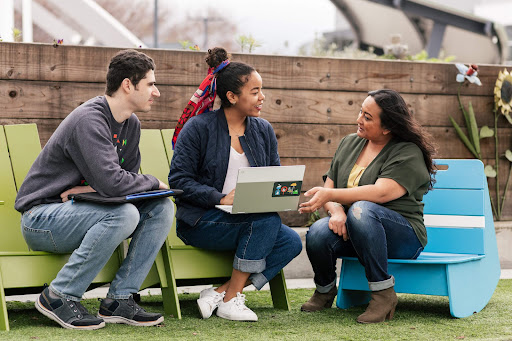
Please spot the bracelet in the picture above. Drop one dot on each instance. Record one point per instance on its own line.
(336, 204)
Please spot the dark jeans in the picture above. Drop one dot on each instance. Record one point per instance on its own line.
(376, 234)
(262, 245)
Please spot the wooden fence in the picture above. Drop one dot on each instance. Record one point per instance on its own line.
(311, 102)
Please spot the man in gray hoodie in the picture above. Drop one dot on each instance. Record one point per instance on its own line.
(96, 148)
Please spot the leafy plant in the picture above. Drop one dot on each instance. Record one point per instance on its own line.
(247, 42)
(187, 45)
(320, 48)
(502, 105)
(16, 35)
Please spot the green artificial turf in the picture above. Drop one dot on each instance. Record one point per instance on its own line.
(417, 318)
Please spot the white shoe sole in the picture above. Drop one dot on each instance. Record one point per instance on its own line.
(52, 316)
(124, 320)
(237, 318)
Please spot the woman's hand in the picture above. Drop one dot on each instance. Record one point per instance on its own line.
(337, 224)
(228, 199)
(76, 190)
(321, 195)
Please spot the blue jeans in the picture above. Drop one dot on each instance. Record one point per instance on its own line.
(262, 245)
(92, 232)
(375, 234)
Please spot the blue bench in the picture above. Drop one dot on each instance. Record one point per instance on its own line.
(461, 258)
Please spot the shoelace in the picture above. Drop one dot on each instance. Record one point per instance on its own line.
(240, 301)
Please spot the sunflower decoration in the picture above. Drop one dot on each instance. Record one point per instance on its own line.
(503, 93)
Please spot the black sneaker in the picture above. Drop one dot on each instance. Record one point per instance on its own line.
(127, 312)
(69, 314)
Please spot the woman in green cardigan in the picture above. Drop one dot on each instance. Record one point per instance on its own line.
(373, 195)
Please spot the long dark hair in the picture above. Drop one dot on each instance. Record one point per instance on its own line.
(397, 118)
(232, 78)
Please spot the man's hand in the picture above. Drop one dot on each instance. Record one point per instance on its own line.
(228, 199)
(76, 190)
(162, 185)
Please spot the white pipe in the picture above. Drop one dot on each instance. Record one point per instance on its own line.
(52, 25)
(6, 20)
(27, 27)
(98, 23)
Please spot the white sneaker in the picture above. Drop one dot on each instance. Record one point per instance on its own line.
(208, 301)
(236, 310)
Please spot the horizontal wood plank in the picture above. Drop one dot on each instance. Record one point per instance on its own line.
(89, 64)
(36, 99)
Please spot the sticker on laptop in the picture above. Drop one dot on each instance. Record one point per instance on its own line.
(286, 189)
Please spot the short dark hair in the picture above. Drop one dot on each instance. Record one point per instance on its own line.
(232, 78)
(130, 64)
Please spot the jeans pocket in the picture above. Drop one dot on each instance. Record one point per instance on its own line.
(39, 239)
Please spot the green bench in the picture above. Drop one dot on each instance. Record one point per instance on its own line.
(23, 271)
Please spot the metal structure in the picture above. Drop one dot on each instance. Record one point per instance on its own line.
(74, 21)
(425, 25)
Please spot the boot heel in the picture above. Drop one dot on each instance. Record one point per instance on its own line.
(328, 304)
(391, 313)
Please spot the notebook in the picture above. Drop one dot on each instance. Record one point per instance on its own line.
(96, 197)
(266, 189)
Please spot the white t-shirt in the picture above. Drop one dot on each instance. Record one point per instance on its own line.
(236, 160)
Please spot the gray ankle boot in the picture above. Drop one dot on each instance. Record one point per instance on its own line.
(320, 301)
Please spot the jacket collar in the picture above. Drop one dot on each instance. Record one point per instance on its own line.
(224, 123)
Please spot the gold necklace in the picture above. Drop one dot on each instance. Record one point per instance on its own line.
(231, 129)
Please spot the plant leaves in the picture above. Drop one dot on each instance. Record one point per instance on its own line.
(464, 113)
(508, 155)
(485, 131)
(489, 171)
(463, 138)
(473, 131)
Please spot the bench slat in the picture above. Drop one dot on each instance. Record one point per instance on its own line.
(462, 174)
(11, 239)
(433, 258)
(456, 240)
(24, 147)
(442, 201)
(454, 221)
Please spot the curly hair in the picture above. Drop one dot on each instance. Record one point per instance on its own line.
(397, 118)
(232, 78)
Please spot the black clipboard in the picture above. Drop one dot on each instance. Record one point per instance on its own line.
(135, 197)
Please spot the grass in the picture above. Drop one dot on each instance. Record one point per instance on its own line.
(417, 318)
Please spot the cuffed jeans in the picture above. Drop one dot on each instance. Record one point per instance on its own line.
(262, 245)
(92, 232)
(375, 234)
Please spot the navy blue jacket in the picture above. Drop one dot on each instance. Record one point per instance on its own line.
(201, 156)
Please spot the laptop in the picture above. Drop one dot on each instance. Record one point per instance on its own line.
(266, 189)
